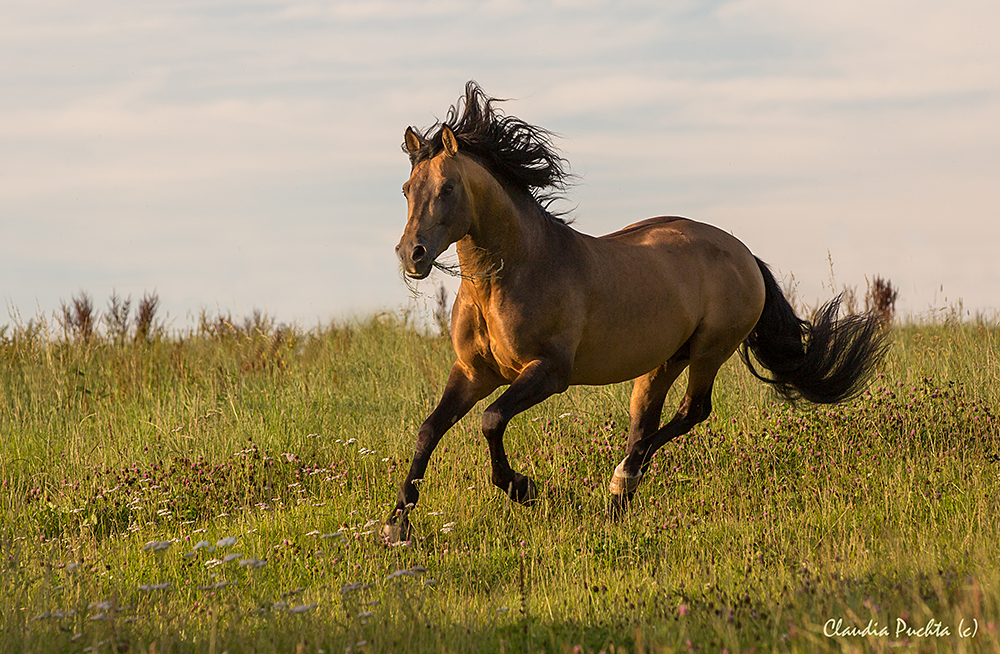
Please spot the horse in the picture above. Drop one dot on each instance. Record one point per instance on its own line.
(541, 306)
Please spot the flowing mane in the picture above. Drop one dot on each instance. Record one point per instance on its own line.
(519, 154)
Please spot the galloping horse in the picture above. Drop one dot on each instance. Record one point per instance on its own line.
(542, 306)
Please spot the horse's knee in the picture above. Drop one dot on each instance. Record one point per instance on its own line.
(427, 440)
(493, 422)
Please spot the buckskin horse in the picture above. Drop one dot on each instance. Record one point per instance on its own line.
(541, 306)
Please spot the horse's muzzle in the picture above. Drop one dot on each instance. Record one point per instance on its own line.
(416, 260)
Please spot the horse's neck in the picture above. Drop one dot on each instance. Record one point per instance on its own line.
(506, 231)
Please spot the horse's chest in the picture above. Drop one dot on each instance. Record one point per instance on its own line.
(505, 350)
(507, 333)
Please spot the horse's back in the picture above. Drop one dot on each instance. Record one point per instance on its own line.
(686, 251)
(656, 282)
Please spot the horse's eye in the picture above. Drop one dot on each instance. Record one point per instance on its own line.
(447, 189)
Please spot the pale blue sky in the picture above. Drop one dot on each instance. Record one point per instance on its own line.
(246, 154)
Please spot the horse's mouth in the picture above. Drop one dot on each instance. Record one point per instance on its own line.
(418, 274)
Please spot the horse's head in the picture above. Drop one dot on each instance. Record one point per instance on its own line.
(438, 207)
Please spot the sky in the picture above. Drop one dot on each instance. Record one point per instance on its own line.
(240, 155)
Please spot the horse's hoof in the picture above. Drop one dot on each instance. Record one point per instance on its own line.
(522, 490)
(622, 484)
(397, 533)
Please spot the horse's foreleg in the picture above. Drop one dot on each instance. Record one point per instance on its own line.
(461, 393)
(539, 380)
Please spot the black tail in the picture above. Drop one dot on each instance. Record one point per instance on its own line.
(825, 361)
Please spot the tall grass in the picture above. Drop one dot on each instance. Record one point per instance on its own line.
(221, 490)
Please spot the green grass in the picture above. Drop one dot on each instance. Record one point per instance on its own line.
(750, 533)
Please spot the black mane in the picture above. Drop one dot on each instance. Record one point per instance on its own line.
(520, 154)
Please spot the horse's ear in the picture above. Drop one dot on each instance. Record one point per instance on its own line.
(412, 141)
(449, 141)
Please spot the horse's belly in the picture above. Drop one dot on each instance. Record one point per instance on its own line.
(618, 354)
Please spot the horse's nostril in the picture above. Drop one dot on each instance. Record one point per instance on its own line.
(419, 252)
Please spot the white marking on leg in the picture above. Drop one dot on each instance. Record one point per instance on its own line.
(622, 483)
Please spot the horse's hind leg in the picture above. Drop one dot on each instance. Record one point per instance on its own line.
(645, 408)
(648, 394)
(694, 408)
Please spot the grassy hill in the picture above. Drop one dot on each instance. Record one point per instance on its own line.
(222, 490)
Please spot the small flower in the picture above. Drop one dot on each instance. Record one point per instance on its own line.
(302, 608)
(253, 563)
(226, 542)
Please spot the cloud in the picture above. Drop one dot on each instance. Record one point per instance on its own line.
(253, 147)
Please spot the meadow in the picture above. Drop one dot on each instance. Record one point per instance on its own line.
(223, 489)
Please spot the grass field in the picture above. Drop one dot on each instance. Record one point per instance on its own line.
(222, 491)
